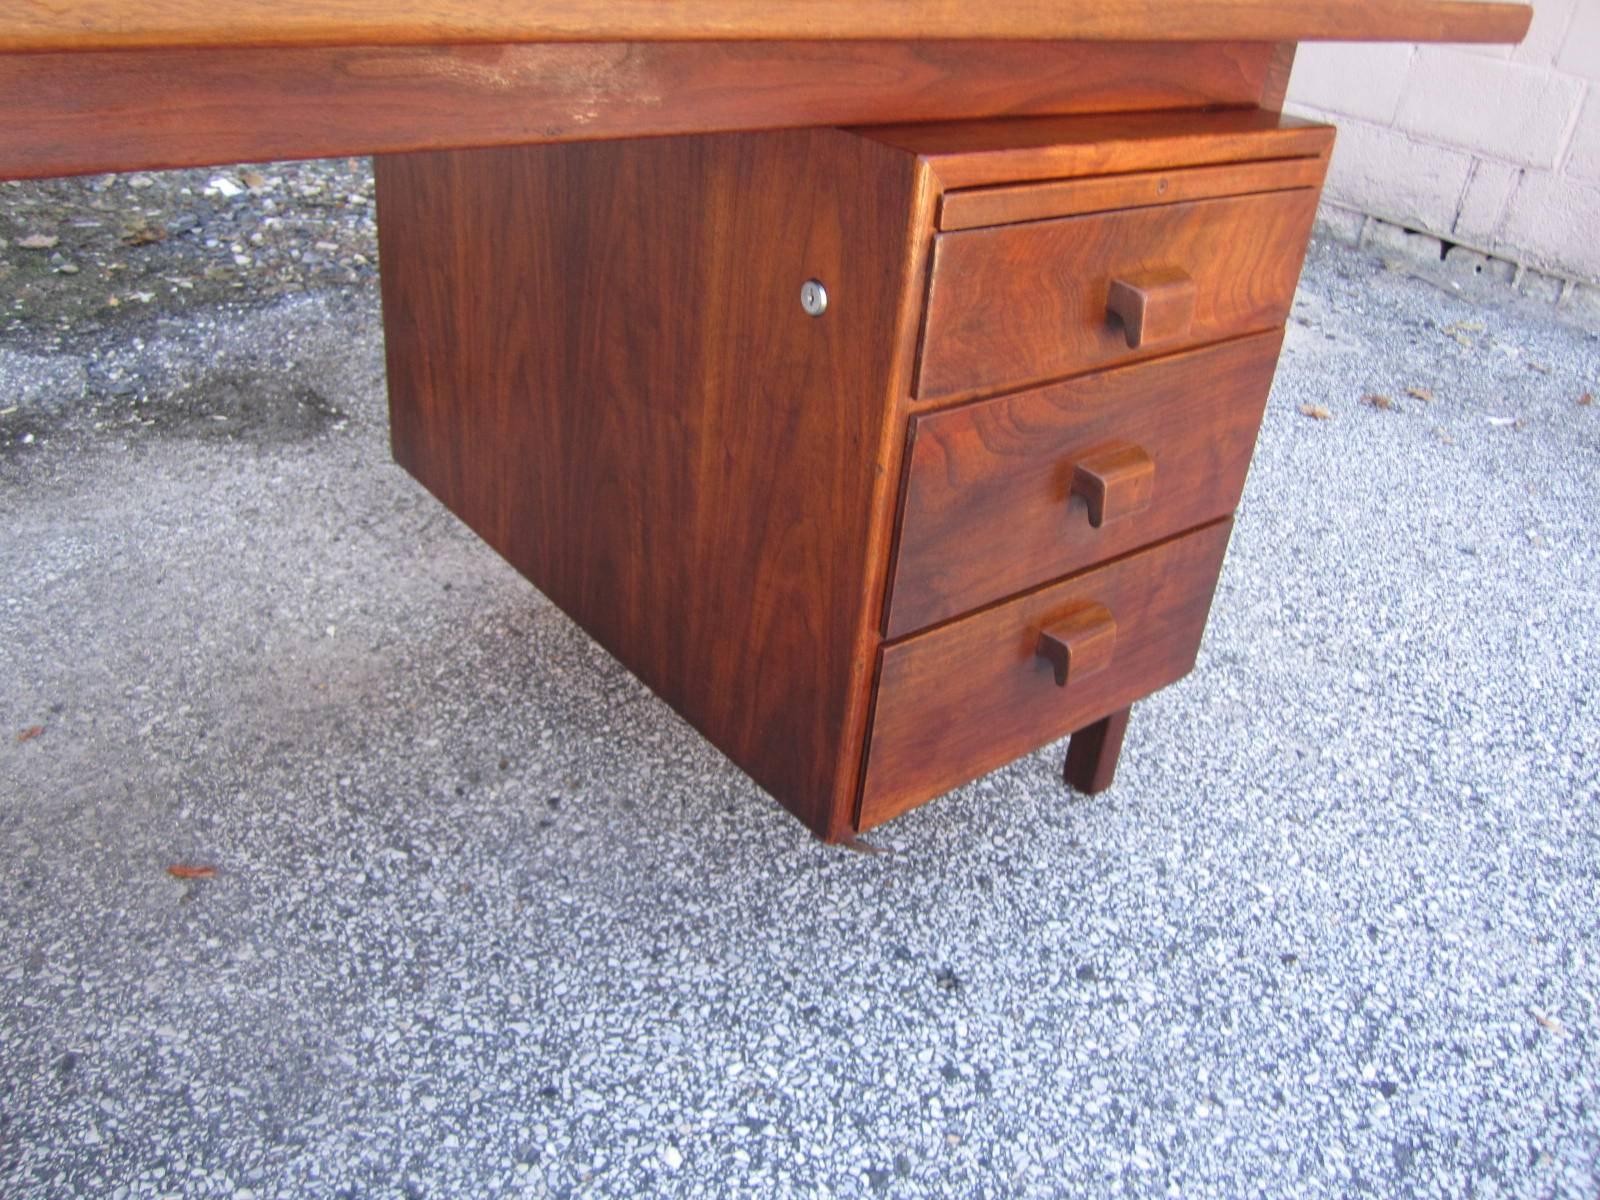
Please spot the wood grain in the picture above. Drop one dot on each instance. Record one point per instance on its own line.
(983, 153)
(1155, 306)
(1278, 72)
(40, 25)
(888, 469)
(1078, 643)
(960, 700)
(598, 359)
(1115, 482)
(977, 207)
(989, 507)
(74, 113)
(1019, 303)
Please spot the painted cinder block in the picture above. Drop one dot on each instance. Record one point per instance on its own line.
(1580, 52)
(1553, 221)
(1384, 172)
(1543, 42)
(1354, 80)
(1551, 20)
(1483, 203)
(1493, 147)
(1584, 302)
(1340, 224)
(1396, 240)
(1470, 264)
(1583, 153)
(1499, 109)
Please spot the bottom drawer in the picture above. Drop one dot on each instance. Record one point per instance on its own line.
(962, 699)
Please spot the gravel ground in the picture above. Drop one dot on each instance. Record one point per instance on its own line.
(487, 919)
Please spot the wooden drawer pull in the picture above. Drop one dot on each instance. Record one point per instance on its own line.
(1115, 482)
(1153, 306)
(1079, 643)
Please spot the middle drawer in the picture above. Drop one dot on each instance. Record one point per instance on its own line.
(1005, 494)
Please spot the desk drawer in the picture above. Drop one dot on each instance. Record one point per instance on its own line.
(1017, 304)
(1004, 494)
(958, 701)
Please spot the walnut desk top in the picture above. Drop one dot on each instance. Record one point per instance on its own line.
(98, 85)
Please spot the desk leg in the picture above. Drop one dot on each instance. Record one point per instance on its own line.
(1092, 753)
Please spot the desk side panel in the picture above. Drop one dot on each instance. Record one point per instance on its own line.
(598, 359)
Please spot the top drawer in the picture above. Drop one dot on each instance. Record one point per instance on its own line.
(1017, 304)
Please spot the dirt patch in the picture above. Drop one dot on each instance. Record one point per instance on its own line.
(79, 257)
(248, 405)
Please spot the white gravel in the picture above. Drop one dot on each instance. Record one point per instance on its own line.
(489, 920)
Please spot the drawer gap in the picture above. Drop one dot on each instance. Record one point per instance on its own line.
(1015, 204)
(890, 643)
(939, 404)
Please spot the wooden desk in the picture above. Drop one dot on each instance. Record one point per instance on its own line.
(887, 422)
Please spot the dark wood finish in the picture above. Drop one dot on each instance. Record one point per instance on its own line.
(1155, 306)
(888, 467)
(960, 700)
(73, 113)
(1093, 752)
(990, 501)
(38, 25)
(598, 359)
(1079, 643)
(1277, 87)
(1019, 303)
(977, 207)
(713, 501)
(1114, 483)
(985, 153)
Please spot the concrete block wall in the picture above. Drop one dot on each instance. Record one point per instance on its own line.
(1492, 147)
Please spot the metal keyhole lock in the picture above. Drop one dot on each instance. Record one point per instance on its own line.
(813, 298)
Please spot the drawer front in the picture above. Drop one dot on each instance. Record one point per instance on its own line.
(1004, 494)
(963, 699)
(1018, 304)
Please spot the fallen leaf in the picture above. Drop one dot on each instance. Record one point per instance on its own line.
(860, 846)
(144, 235)
(1316, 412)
(31, 732)
(39, 241)
(1586, 399)
(1378, 400)
(1549, 1022)
(184, 871)
(1465, 327)
(254, 180)
(1423, 394)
